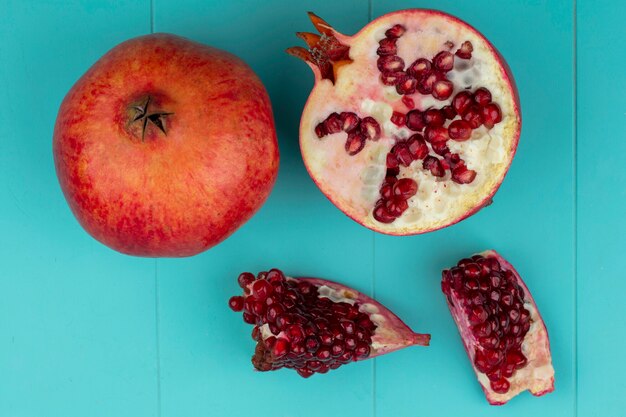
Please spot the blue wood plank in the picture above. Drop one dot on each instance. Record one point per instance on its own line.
(531, 222)
(601, 207)
(77, 321)
(205, 348)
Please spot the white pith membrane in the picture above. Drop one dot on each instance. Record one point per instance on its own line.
(390, 334)
(538, 374)
(353, 182)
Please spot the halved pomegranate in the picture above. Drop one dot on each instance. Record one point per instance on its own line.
(412, 123)
(502, 330)
(313, 325)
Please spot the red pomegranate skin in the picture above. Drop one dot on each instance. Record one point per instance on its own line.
(167, 194)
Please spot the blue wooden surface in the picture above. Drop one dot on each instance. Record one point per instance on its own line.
(87, 331)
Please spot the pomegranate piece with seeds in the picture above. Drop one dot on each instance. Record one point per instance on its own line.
(500, 325)
(313, 325)
(409, 72)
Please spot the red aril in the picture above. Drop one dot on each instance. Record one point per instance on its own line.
(500, 325)
(313, 325)
(412, 71)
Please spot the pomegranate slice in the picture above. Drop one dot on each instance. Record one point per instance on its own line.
(502, 330)
(408, 72)
(313, 325)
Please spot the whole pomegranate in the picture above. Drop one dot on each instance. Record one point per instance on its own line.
(502, 330)
(412, 123)
(313, 325)
(165, 146)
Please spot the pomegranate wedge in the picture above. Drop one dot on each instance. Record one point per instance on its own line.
(313, 325)
(502, 330)
(412, 123)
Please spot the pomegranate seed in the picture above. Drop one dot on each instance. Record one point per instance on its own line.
(249, 318)
(362, 350)
(417, 146)
(462, 175)
(408, 102)
(386, 191)
(370, 129)
(494, 375)
(482, 96)
(333, 123)
(481, 363)
(245, 279)
(493, 357)
(350, 343)
(355, 143)
(461, 102)
(397, 118)
(420, 67)
(507, 300)
(478, 314)
(281, 347)
(440, 148)
(405, 188)
(323, 353)
(514, 316)
(436, 134)
(349, 121)
(273, 312)
(524, 315)
(390, 63)
(395, 31)
(415, 120)
(392, 78)
(473, 116)
(434, 117)
(261, 289)
(428, 80)
(516, 358)
(443, 61)
(387, 46)
(490, 342)
(454, 159)
(434, 166)
(407, 85)
(401, 150)
(508, 370)
(449, 112)
(392, 161)
(256, 333)
(500, 386)
(337, 349)
(274, 275)
(236, 303)
(465, 51)
(304, 372)
(442, 89)
(396, 206)
(482, 330)
(491, 115)
(320, 130)
(382, 215)
(459, 130)
(311, 343)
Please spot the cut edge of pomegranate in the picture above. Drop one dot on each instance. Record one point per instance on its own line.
(541, 354)
(486, 201)
(391, 332)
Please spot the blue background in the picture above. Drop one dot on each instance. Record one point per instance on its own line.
(85, 331)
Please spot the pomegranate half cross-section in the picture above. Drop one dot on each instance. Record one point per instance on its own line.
(502, 330)
(313, 325)
(412, 123)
